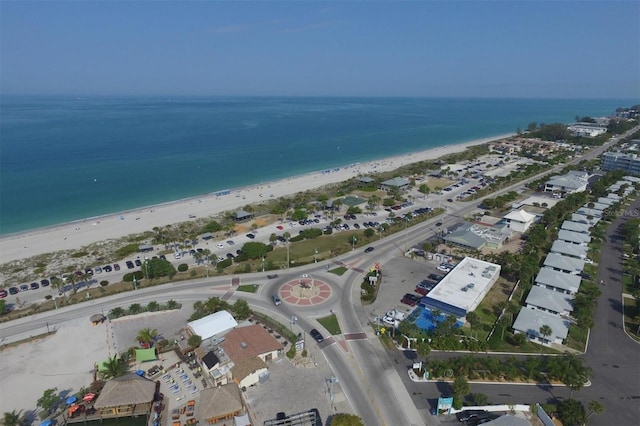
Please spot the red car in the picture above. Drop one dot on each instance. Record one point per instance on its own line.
(421, 290)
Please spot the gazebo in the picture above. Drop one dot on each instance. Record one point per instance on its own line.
(220, 403)
(124, 396)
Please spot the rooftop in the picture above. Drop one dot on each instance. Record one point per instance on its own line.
(574, 237)
(569, 249)
(530, 320)
(561, 280)
(549, 299)
(212, 325)
(569, 225)
(564, 263)
(249, 342)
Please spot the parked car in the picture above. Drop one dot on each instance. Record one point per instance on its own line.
(44, 283)
(466, 416)
(220, 245)
(138, 262)
(276, 300)
(98, 270)
(230, 242)
(34, 286)
(116, 266)
(24, 287)
(316, 335)
(3, 293)
(88, 271)
(437, 278)
(251, 236)
(108, 268)
(129, 264)
(410, 299)
(14, 290)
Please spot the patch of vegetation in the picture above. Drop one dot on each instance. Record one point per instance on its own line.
(338, 271)
(248, 288)
(331, 324)
(127, 250)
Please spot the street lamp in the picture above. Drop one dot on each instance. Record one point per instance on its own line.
(288, 261)
(262, 263)
(315, 255)
(353, 243)
(293, 321)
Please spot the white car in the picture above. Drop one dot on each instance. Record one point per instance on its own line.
(177, 255)
(220, 245)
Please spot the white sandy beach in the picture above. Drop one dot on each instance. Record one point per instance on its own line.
(77, 234)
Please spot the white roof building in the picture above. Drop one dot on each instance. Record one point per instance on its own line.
(572, 182)
(585, 210)
(567, 264)
(550, 301)
(588, 130)
(213, 325)
(574, 237)
(581, 228)
(581, 218)
(462, 289)
(569, 249)
(607, 201)
(558, 281)
(519, 220)
(529, 322)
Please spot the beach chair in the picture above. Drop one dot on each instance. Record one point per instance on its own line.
(167, 376)
(174, 391)
(188, 382)
(184, 376)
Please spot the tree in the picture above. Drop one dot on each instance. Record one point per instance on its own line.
(479, 399)
(194, 341)
(460, 389)
(3, 306)
(572, 413)
(114, 367)
(57, 284)
(241, 309)
(595, 407)
(172, 304)
(14, 419)
(346, 420)
(473, 319)
(256, 250)
(147, 335)
(545, 331)
(424, 188)
(156, 268)
(49, 400)
(424, 349)
(503, 323)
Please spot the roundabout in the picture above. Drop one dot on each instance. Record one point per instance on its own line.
(305, 291)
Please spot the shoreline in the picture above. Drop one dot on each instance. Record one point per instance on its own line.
(82, 232)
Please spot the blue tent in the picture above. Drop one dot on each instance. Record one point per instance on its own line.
(47, 422)
(71, 400)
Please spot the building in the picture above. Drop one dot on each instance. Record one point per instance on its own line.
(475, 236)
(249, 349)
(519, 220)
(126, 396)
(561, 263)
(212, 326)
(220, 403)
(569, 249)
(550, 301)
(558, 281)
(570, 183)
(629, 163)
(462, 289)
(241, 216)
(530, 321)
(574, 237)
(588, 220)
(589, 212)
(581, 228)
(606, 201)
(395, 183)
(588, 130)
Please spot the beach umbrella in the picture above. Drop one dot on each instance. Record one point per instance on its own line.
(88, 397)
(47, 422)
(71, 400)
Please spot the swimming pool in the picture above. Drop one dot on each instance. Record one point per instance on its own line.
(425, 320)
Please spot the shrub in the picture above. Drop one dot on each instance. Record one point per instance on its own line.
(128, 278)
(224, 264)
(183, 267)
(291, 352)
(296, 238)
(127, 250)
(105, 283)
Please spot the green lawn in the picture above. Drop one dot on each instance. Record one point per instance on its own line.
(631, 322)
(331, 324)
(339, 271)
(577, 337)
(248, 288)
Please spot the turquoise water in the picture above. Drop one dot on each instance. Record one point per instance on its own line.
(64, 158)
(425, 320)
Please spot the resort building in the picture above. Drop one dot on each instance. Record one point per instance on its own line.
(550, 301)
(212, 327)
(629, 163)
(588, 130)
(475, 236)
(574, 237)
(607, 201)
(530, 321)
(569, 265)
(589, 212)
(462, 289)
(558, 281)
(221, 403)
(588, 220)
(126, 396)
(519, 220)
(570, 183)
(569, 249)
(581, 228)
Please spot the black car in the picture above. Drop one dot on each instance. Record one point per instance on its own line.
(163, 257)
(107, 268)
(272, 276)
(14, 290)
(138, 262)
(251, 236)
(88, 271)
(34, 286)
(129, 264)
(230, 256)
(437, 278)
(44, 283)
(438, 223)
(368, 250)
(474, 416)
(116, 266)
(316, 335)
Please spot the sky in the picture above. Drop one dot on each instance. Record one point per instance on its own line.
(521, 49)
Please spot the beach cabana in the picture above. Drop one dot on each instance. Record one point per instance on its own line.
(242, 215)
(124, 396)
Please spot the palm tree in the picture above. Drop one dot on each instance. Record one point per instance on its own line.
(147, 335)
(545, 331)
(71, 278)
(57, 284)
(114, 367)
(474, 320)
(13, 419)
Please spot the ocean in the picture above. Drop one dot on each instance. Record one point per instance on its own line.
(66, 158)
